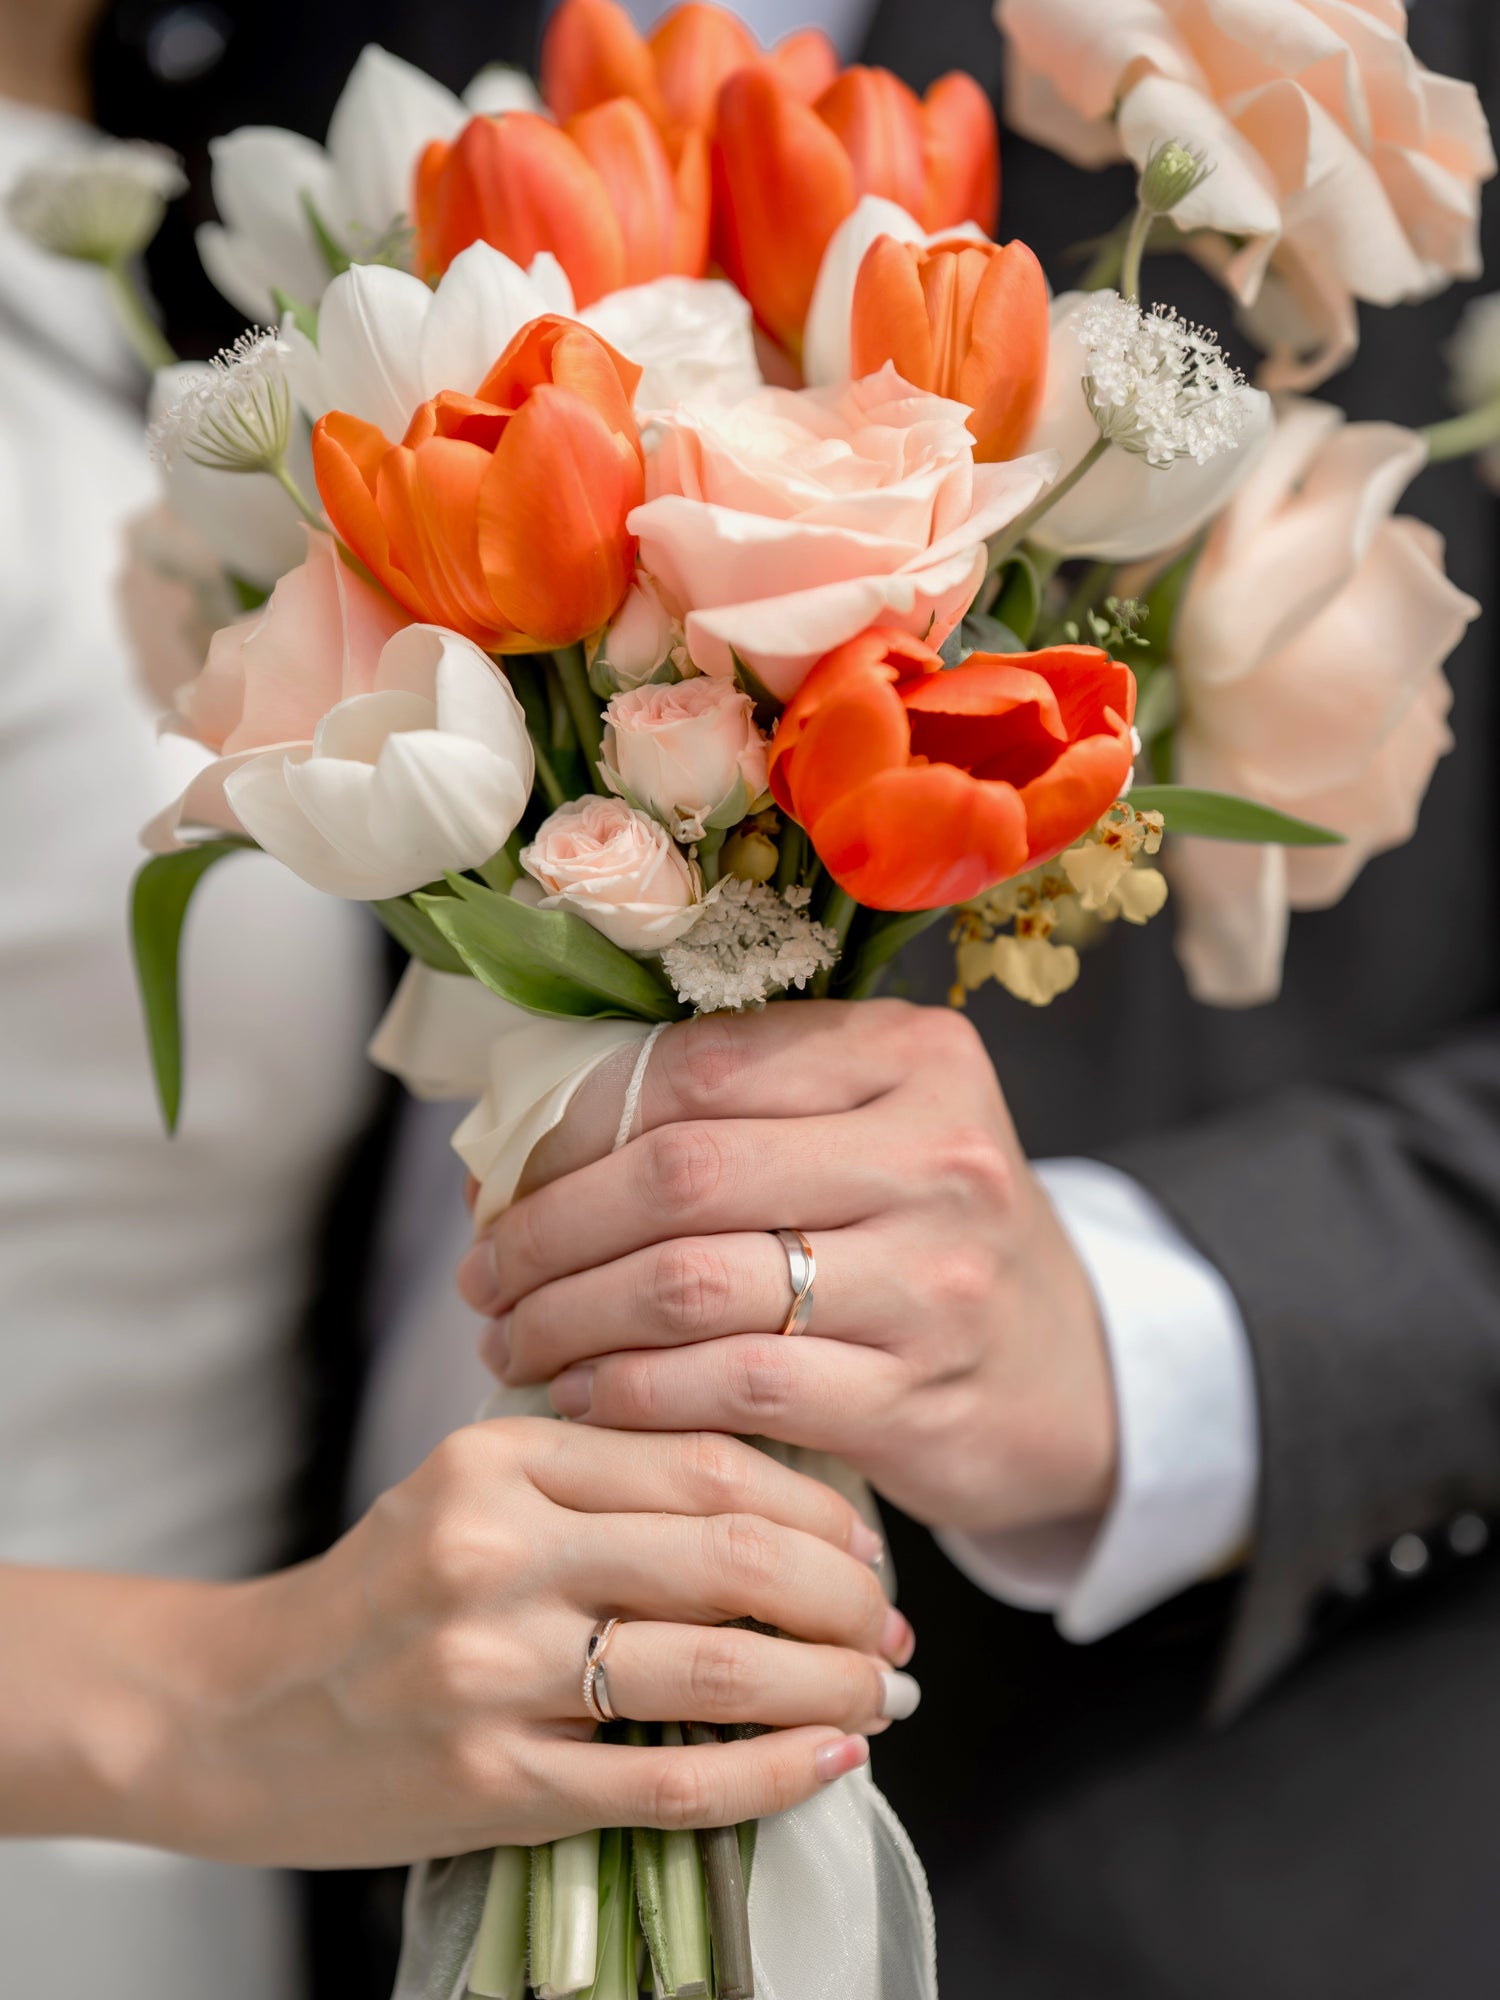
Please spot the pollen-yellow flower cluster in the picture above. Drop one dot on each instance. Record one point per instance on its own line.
(1008, 934)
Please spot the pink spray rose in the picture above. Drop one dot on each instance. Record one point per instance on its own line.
(617, 867)
(681, 750)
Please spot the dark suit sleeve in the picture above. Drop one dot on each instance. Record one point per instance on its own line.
(1360, 1234)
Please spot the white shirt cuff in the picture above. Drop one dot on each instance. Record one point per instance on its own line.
(1189, 1443)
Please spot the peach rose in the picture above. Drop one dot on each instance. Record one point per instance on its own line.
(1309, 651)
(617, 867)
(1343, 169)
(269, 680)
(788, 523)
(682, 750)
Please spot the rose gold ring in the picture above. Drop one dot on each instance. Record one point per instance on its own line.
(801, 1270)
(595, 1686)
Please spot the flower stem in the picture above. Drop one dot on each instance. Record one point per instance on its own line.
(708, 851)
(1459, 436)
(1135, 250)
(728, 1909)
(615, 1976)
(498, 1971)
(546, 775)
(574, 1956)
(792, 853)
(583, 706)
(838, 914)
(299, 499)
(147, 341)
(1011, 538)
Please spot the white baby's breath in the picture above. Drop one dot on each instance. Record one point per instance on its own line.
(237, 415)
(1157, 385)
(103, 205)
(749, 943)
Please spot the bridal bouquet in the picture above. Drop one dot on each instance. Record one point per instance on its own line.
(661, 552)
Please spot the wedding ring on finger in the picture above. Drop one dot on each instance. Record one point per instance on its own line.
(595, 1686)
(802, 1269)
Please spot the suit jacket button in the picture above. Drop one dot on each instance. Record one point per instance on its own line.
(1408, 1555)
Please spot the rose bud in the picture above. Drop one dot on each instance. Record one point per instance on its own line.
(921, 787)
(618, 868)
(685, 752)
(966, 320)
(500, 514)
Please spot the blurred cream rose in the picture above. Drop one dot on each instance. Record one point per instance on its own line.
(1343, 169)
(1309, 651)
(682, 750)
(794, 520)
(618, 868)
(173, 597)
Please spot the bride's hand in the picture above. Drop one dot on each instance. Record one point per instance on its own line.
(417, 1690)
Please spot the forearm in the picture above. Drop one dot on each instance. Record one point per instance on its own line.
(102, 1687)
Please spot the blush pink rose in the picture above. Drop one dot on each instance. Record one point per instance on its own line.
(783, 525)
(617, 867)
(1343, 169)
(1309, 650)
(680, 750)
(269, 680)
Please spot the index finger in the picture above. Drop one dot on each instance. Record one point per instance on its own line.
(818, 1057)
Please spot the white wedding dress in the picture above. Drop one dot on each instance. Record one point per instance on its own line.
(149, 1291)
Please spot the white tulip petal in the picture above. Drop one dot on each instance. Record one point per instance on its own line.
(825, 339)
(499, 88)
(552, 281)
(480, 306)
(691, 337)
(386, 113)
(262, 180)
(370, 329)
(258, 795)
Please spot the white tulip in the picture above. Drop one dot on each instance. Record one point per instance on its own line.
(360, 185)
(825, 339)
(689, 337)
(387, 342)
(430, 771)
(1124, 508)
(246, 518)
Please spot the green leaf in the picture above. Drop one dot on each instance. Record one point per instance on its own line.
(1018, 603)
(985, 633)
(1220, 816)
(504, 868)
(767, 707)
(249, 596)
(418, 935)
(548, 961)
(335, 256)
(304, 318)
(890, 933)
(158, 904)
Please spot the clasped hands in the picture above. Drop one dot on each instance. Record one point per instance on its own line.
(954, 1357)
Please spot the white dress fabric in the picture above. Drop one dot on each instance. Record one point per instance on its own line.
(149, 1291)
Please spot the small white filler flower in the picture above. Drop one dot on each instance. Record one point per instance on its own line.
(237, 416)
(103, 205)
(1157, 386)
(749, 944)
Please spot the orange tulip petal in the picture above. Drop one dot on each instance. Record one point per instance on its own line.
(696, 49)
(1065, 801)
(551, 518)
(961, 153)
(889, 320)
(1004, 374)
(625, 149)
(428, 500)
(924, 837)
(694, 186)
(782, 185)
(556, 350)
(879, 122)
(806, 62)
(347, 456)
(593, 51)
(1090, 686)
(859, 731)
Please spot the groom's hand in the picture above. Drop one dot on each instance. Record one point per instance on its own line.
(954, 1354)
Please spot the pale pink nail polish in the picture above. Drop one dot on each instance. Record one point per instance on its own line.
(494, 1345)
(572, 1393)
(865, 1545)
(478, 1285)
(837, 1760)
(897, 1641)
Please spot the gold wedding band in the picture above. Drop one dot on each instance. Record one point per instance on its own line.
(595, 1686)
(801, 1269)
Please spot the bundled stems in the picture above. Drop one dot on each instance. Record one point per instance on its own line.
(791, 856)
(498, 1971)
(728, 1908)
(573, 1956)
(838, 914)
(615, 1977)
(583, 707)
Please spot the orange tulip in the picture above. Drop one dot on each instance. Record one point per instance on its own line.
(593, 51)
(603, 196)
(921, 786)
(502, 514)
(966, 320)
(786, 174)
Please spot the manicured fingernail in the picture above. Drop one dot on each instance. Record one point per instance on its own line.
(898, 1641)
(572, 1393)
(478, 1285)
(899, 1697)
(865, 1545)
(494, 1345)
(837, 1760)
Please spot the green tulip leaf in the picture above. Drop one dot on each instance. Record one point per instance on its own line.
(1018, 603)
(1220, 816)
(417, 935)
(158, 905)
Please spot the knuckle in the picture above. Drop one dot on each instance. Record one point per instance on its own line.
(686, 1166)
(456, 1666)
(971, 1158)
(720, 1677)
(632, 1386)
(761, 1382)
(965, 1278)
(680, 1793)
(746, 1550)
(692, 1288)
(720, 1470)
(454, 1559)
(709, 1059)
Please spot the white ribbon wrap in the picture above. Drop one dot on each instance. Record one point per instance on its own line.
(839, 1905)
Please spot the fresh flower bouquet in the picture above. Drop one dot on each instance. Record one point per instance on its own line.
(639, 642)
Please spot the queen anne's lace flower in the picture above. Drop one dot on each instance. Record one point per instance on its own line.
(1157, 385)
(103, 206)
(235, 417)
(748, 944)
